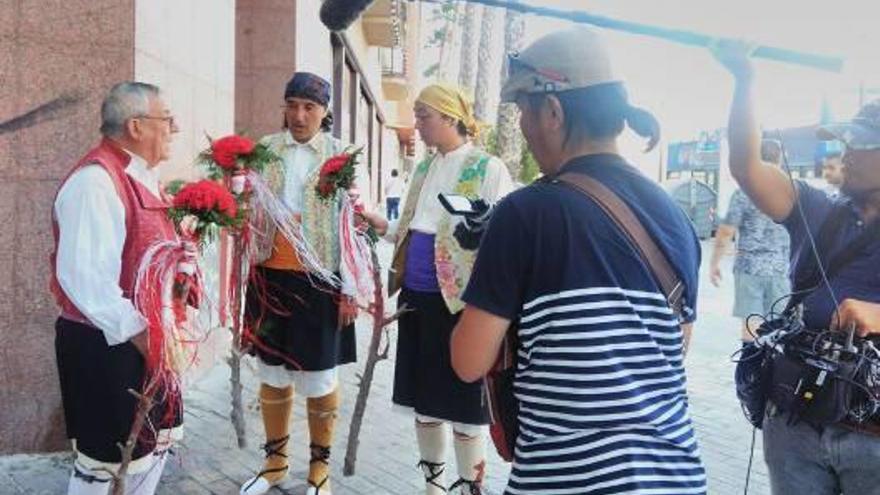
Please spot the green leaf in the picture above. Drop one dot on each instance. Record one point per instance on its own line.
(174, 186)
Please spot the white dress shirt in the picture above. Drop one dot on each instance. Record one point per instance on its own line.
(443, 177)
(300, 159)
(91, 224)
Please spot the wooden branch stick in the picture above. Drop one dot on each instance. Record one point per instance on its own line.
(373, 356)
(235, 302)
(144, 404)
(391, 319)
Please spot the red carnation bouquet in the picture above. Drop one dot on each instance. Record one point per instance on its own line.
(200, 209)
(235, 155)
(225, 151)
(170, 280)
(237, 161)
(337, 173)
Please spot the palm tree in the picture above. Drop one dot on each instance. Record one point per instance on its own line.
(508, 135)
(467, 70)
(484, 63)
(450, 14)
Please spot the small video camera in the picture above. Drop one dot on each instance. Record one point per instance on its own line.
(457, 204)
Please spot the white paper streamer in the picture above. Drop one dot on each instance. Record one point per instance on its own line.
(285, 221)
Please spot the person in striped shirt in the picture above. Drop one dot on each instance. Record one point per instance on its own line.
(599, 379)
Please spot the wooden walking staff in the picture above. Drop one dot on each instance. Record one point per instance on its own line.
(144, 404)
(236, 291)
(375, 354)
(235, 242)
(236, 159)
(822, 62)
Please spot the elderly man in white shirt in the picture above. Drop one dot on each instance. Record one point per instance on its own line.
(107, 212)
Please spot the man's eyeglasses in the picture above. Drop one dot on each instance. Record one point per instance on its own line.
(169, 119)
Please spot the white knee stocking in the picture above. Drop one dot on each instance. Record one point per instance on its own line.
(470, 460)
(432, 438)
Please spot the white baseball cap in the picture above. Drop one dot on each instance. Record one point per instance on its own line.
(561, 61)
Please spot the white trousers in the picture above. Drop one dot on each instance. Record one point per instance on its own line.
(310, 384)
(84, 481)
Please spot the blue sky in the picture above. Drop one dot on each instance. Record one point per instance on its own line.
(689, 92)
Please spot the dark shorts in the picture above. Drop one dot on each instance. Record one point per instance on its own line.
(759, 294)
(423, 376)
(292, 321)
(95, 379)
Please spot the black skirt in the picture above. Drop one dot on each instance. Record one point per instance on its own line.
(423, 376)
(292, 321)
(95, 379)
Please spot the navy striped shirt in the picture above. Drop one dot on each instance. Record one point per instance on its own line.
(600, 379)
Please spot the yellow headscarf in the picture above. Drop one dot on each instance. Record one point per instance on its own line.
(451, 101)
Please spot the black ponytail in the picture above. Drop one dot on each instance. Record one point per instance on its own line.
(602, 111)
(643, 123)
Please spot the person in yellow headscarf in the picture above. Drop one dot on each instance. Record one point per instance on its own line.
(431, 269)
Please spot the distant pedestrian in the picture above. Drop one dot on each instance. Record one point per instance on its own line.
(392, 196)
(832, 172)
(760, 269)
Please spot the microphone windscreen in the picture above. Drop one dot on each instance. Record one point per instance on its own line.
(337, 15)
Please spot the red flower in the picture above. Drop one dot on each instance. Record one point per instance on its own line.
(335, 164)
(326, 188)
(338, 172)
(205, 196)
(226, 204)
(226, 150)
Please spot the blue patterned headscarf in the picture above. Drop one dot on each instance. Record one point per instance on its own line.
(309, 86)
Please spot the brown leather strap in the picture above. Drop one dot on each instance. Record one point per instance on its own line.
(630, 225)
(869, 427)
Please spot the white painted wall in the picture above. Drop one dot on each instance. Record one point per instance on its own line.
(313, 50)
(188, 49)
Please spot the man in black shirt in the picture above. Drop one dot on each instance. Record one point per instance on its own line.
(841, 457)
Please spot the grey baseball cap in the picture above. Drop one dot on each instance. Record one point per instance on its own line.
(560, 61)
(861, 133)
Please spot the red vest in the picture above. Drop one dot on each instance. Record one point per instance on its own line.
(146, 221)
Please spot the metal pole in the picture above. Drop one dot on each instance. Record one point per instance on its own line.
(821, 62)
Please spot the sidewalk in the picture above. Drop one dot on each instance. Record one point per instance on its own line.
(209, 461)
